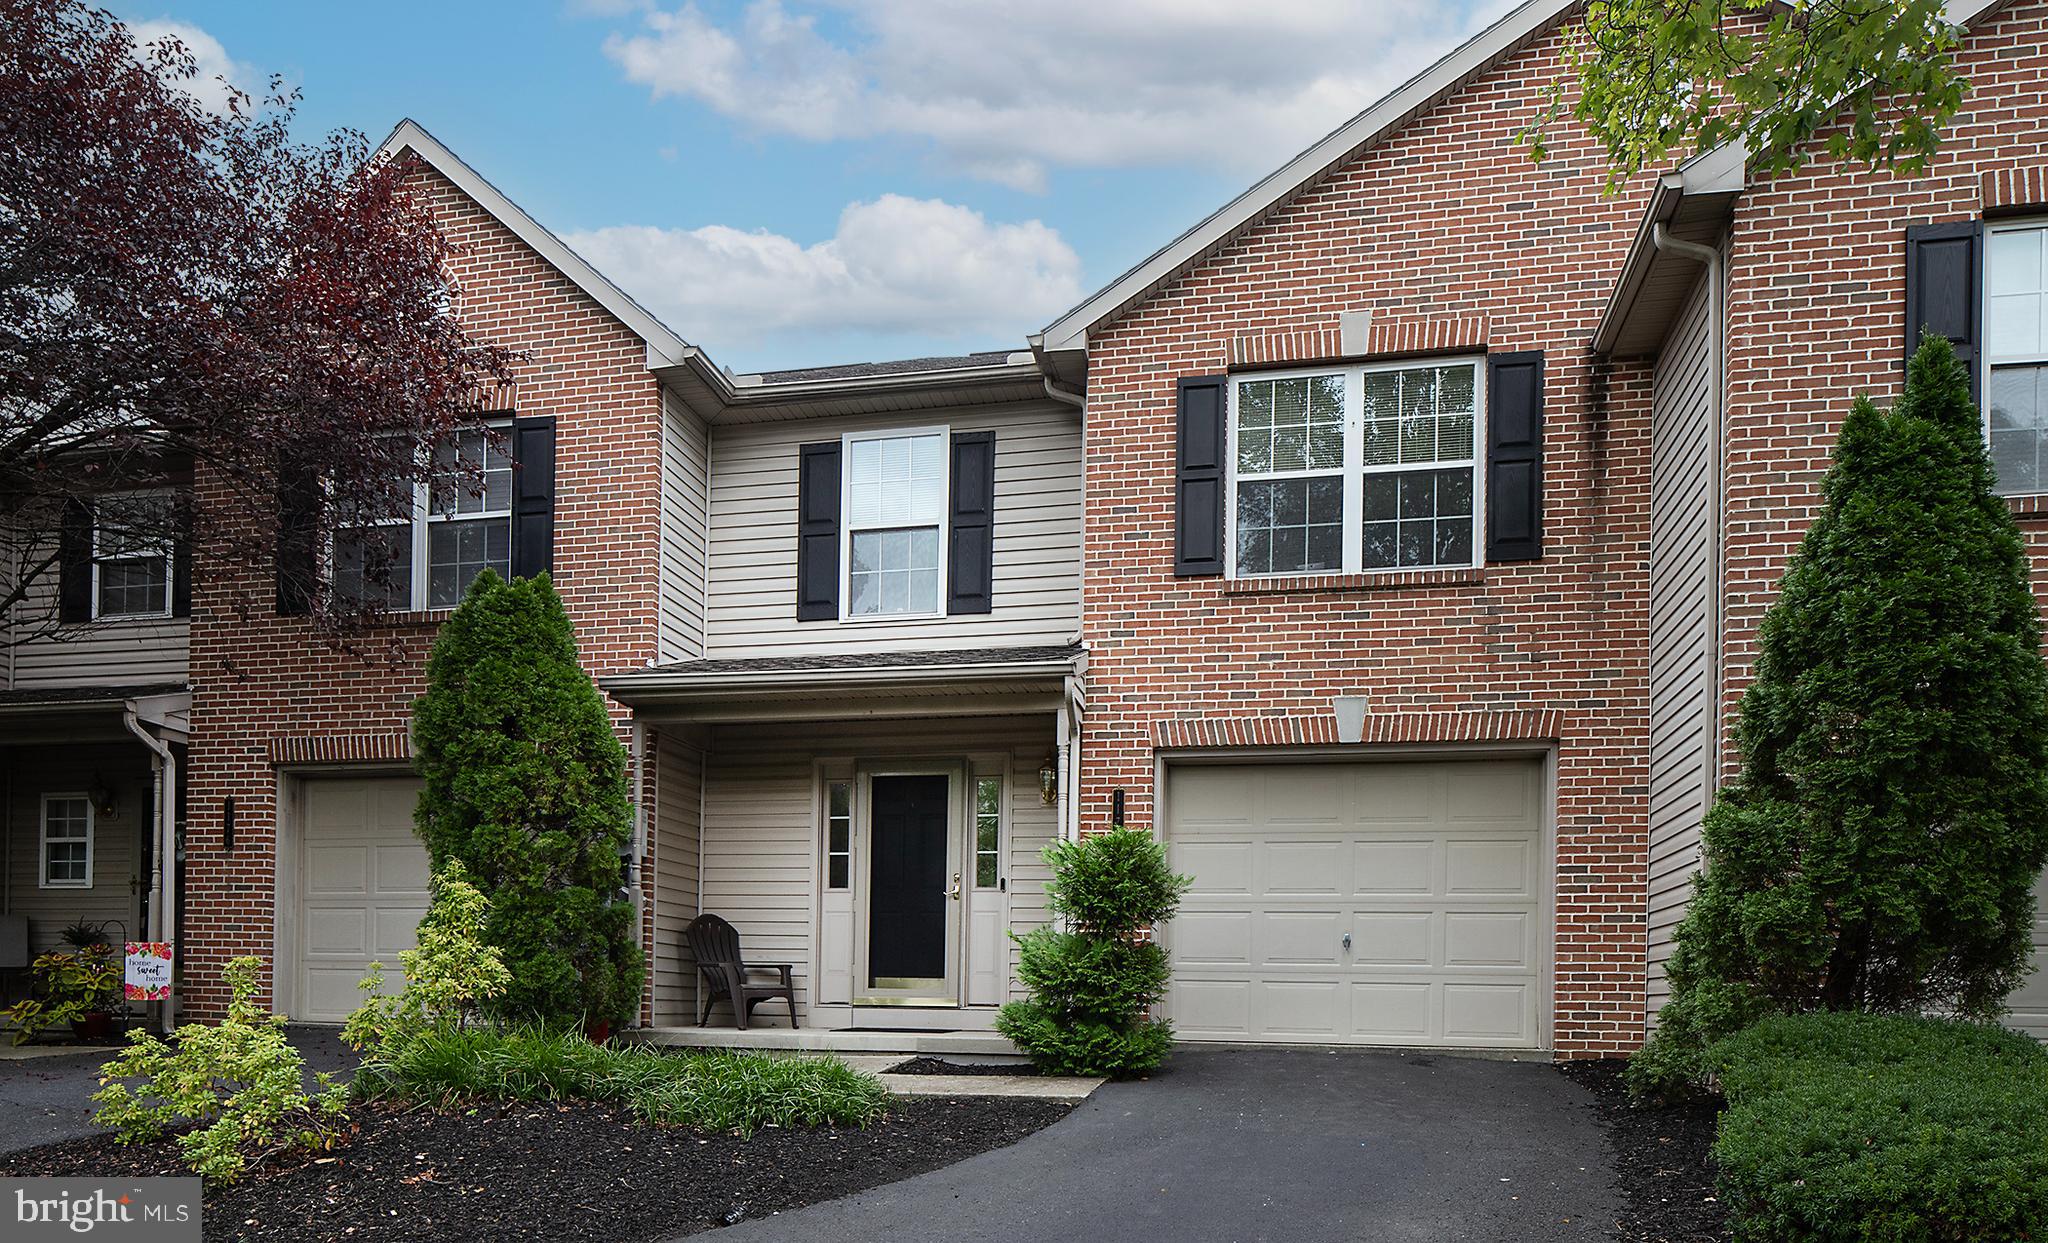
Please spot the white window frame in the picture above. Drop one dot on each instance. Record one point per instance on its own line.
(974, 851)
(421, 522)
(846, 530)
(1985, 359)
(165, 550)
(43, 880)
(1355, 469)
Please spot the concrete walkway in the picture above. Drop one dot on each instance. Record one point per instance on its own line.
(1292, 1147)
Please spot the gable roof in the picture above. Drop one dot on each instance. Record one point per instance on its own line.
(1069, 333)
(664, 347)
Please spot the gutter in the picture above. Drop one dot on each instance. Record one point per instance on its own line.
(162, 912)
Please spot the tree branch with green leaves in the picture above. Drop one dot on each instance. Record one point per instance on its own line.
(1873, 81)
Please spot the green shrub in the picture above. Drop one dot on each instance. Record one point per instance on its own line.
(718, 1091)
(1094, 982)
(68, 986)
(1883, 1129)
(1878, 849)
(525, 786)
(449, 975)
(240, 1082)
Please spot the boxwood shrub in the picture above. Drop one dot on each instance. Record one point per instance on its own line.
(1883, 1129)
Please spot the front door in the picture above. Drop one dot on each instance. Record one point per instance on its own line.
(910, 896)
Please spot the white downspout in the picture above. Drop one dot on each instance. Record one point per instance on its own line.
(164, 770)
(1716, 413)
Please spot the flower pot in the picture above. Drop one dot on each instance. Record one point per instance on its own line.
(598, 1030)
(95, 1026)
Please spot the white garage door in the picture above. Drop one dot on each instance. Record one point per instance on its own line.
(2029, 1002)
(361, 891)
(1435, 872)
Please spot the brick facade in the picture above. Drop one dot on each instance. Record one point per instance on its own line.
(1445, 221)
(269, 697)
(1816, 308)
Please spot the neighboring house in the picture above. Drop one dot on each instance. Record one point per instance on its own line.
(1392, 543)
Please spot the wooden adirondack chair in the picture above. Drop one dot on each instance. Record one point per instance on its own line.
(716, 947)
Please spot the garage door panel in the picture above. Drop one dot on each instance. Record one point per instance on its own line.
(1492, 939)
(2029, 1002)
(1218, 867)
(1392, 938)
(397, 929)
(1301, 1009)
(1390, 867)
(1214, 796)
(330, 931)
(1494, 1013)
(403, 868)
(1300, 938)
(328, 991)
(1388, 1012)
(337, 870)
(1504, 867)
(1436, 871)
(1211, 938)
(1302, 869)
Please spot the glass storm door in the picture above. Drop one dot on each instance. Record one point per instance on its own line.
(913, 889)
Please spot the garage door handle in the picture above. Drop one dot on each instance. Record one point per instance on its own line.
(1347, 940)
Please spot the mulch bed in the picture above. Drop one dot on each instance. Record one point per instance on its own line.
(570, 1171)
(940, 1066)
(1664, 1154)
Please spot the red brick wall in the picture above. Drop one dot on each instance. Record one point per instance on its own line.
(1445, 219)
(258, 677)
(1816, 310)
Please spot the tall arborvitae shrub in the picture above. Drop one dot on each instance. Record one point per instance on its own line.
(1094, 981)
(526, 789)
(1877, 850)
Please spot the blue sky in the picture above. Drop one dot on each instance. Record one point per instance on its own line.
(789, 183)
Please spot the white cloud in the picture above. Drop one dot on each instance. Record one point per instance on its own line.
(896, 266)
(217, 70)
(1005, 91)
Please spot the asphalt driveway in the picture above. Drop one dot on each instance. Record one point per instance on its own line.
(45, 1099)
(1293, 1147)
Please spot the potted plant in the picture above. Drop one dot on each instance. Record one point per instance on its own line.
(81, 987)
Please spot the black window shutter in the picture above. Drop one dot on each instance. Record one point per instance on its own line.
(298, 541)
(1198, 477)
(1944, 284)
(1514, 456)
(74, 563)
(817, 531)
(971, 528)
(533, 496)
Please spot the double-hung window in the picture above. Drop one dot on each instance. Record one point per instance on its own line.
(421, 547)
(2016, 323)
(1355, 469)
(132, 551)
(67, 842)
(895, 490)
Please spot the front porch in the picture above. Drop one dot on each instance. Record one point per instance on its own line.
(876, 826)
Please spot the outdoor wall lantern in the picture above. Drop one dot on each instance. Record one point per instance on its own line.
(227, 823)
(102, 797)
(1116, 809)
(1049, 779)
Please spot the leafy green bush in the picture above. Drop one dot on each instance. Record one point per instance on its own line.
(1878, 849)
(68, 986)
(1883, 1129)
(240, 1082)
(1094, 982)
(719, 1091)
(525, 786)
(449, 974)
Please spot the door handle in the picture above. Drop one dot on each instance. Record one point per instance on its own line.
(1347, 940)
(954, 892)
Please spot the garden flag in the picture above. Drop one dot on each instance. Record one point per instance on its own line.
(149, 970)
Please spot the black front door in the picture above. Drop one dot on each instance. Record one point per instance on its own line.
(907, 885)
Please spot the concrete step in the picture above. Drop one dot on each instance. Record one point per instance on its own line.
(963, 1045)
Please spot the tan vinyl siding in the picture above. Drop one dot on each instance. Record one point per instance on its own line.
(1683, 587)
(679, 786)
(116, 839)
(751, 600)
(685, 441)
(760, 831)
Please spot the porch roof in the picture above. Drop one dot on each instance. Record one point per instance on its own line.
(943, 682)
(71, 713)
